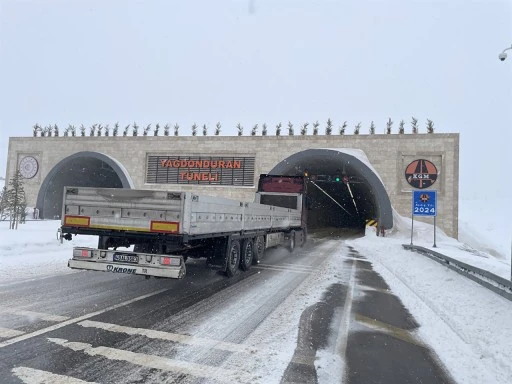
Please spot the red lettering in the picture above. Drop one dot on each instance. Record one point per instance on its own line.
(214, 164)
(206, 164)
(175, 163)
(183, 163)
(221, 163)
(237, 164)
(163, 162)
(183, 175)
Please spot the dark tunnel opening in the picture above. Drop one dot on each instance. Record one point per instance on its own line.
(343, 192)
(79, 172)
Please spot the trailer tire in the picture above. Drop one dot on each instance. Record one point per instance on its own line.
(259, 249)
(233, 258)
(291, 243)
(247, 255)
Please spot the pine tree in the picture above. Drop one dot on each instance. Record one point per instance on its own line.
(372, 128)
(115, 130)
(67, 130)
(401, 127)
(290, 128)
(205, 130)
(3, 203)
(264, 129)
(430, 126)
(126, 129)
(357, 128)
(55, 130)
(316, 124)
(176, 129)
(135, 129)
(389, 125)
(146, 130)
(217, 128)
(194, 129)
(328, 126)
(254, 130)
(107, 130)
(98, 132)
(414, 125)
(167, 128)
(36, 128)
(73, 130)
(304, 129)
(82, 130)
(49, 130)
(15, 199)
(157, 128)
(343, 128)
(240, 129)
(278, 129)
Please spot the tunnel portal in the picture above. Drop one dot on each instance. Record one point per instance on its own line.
(343, 189)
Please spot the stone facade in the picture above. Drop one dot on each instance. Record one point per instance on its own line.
(388, 154)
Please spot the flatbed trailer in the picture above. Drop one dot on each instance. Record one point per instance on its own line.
(167, 227)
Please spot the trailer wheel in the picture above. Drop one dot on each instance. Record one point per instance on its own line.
(233, 258)
(247, 255)
(259, 249)
(291, 244)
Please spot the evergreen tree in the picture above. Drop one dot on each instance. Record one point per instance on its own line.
(414, 125)
(240, 129)
(389, 125)
(73, 130)
(115, 130)
(92, 130)
(343, 128)
(135, 129)
(82, 130)
(372, 128)
(205, 130)
(3, 203)
(36, 128)
(316, 124)
(290, 128)
(67, 131)
(55, 130)
(146, 130)
(125, 131)
(194, 129)
(157, 129)
(401, 127)
(107, 130)
(254, 130)
(430, 126)
(98, 132)
(217, 128)
(176, 129)
(264, 129)
(167, 128)
(304, 129)
(357, 128)
(278, 129)
(15, 199)
(328, 127)
(49, 130)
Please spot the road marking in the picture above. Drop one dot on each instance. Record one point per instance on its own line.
(280, 268)
(342, 338)
(397, 333)
(36, 376)
(32, 314)
(168, 336)
(5, 332)
(157, 362)
(76, 319)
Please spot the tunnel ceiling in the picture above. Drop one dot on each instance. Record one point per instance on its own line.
(363, 197)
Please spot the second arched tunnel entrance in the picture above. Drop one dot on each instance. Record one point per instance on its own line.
(343, 189)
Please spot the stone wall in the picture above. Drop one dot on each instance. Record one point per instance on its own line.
(389, 155)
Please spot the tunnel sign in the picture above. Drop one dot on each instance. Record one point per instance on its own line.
(424, 203)
(421, 174)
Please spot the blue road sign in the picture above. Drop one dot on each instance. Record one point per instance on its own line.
(424, 203)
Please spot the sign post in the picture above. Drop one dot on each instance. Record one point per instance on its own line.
(424, 203)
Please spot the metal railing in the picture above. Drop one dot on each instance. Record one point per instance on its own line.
(487, 279)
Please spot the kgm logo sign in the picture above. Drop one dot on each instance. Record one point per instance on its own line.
(421, 174)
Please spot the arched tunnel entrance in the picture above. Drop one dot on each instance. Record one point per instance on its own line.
(343, 190)
(83, 169)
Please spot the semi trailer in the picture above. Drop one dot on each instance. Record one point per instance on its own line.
(167, 227)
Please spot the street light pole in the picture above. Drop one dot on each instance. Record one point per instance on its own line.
(502, 56)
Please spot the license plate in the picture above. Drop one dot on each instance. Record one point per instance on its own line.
(126, 258)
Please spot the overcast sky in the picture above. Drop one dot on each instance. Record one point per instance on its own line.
(74, 62)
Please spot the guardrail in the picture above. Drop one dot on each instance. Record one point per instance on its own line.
(485, 278)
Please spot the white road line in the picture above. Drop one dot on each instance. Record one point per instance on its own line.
(161, 335)
(158, 362)
(76, 319)
(32, 314)
(36, 376)
(5, 332)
